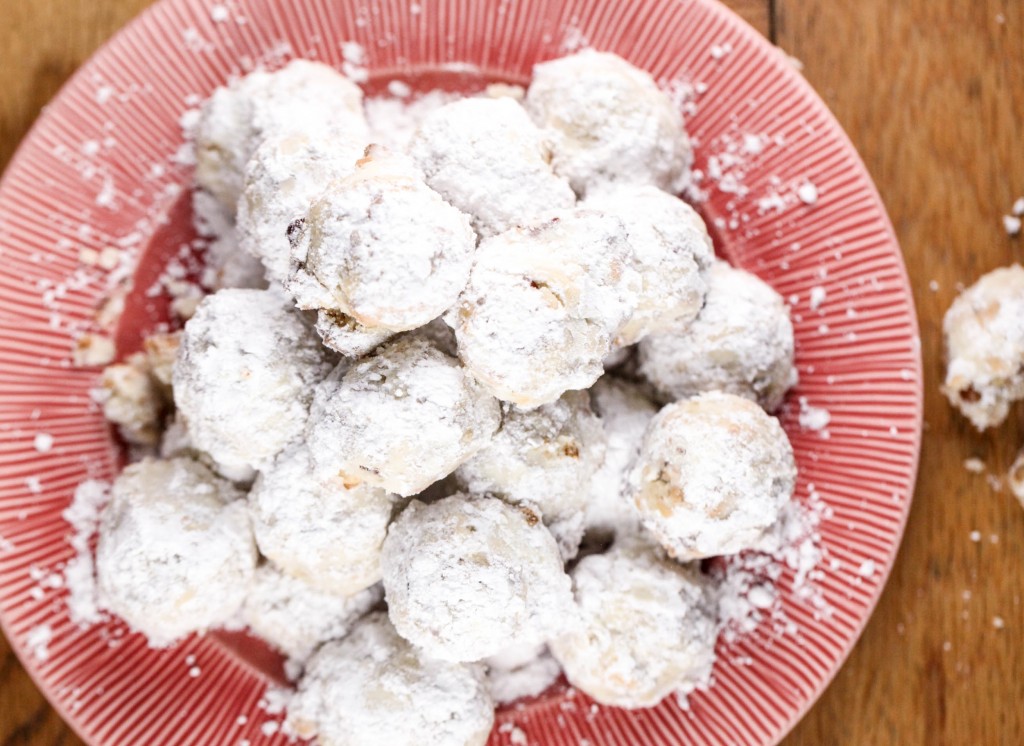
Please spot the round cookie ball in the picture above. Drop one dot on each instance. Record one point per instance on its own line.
(644, 628)
(610, 123)
(488, 159)
(175, 552)
(373, 688)
(712, 475)
(672, 249)
(466, 577)
(382, 247)
(348, 337)
(543, 305)
(285, 175)
(741, 343)
(302, 97)
(402, 418)
(322, 529)
(624, 413)
(983, 332)
(295, 617)
(543, 457)
(245, 374)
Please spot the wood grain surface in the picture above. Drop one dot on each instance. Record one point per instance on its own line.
(932, 94)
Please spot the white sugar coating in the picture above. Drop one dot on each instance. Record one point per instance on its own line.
(712, 476)
(305, 97)
(672, 249)
(131, 399)
(228, 266)
(295, 617)
(245, 375)
(466, 577)
(625, 413)
(983, 333)
(543, 457)
(285, 175)
(175, 442)
(175, 552)
(348, 337)
(544, 303)
(84, 515)
(381, 246)
(741, 343)
(644, 628)
(402, 418)
(393, 121)
(487, 158)
(372, 687)
(609, 123)
(317, 527)
(521, 671)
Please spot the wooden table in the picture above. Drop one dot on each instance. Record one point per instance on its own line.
(932, 93)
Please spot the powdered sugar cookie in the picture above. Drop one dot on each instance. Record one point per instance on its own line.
(644, 628)
(391, 693)
(302, 97)
(983, 333)
(624, 413)
(543, 305)
(245, 374)
(175, 552)
(543, 457)
(521, 671)
(672, 249)
(488, 159)
(319, 527)
(382, 247)
(712, 475)
(741, 343)
(402, 418)
(466, 577)
(348, 337)
(282, 179)
(295, 617)
(610, 123)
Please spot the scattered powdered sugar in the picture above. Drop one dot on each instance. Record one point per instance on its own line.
(818, 295)
(814, 418)
(38, 641)
(748, 587)
(43, 442)
(974, 465)
(83, 514)
(808, 193)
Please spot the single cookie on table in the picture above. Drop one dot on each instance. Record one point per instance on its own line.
(175, 552)
(610, 123)
(321, 528)
(488, 158)
(983, 332)
(295, 617)
(543, 457)
(381, 246)
(466, 577)
(672, 251)
(245, 375)
(285, 175)
(741, 343)
(302, 97)
(644, 628)
(624, 411)
(402, 418)
(544, 303)
(372, 687)
(712, 476)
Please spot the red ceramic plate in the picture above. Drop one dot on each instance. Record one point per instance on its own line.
(786, 196)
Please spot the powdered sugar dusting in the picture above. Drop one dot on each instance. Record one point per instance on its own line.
(83, 514)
